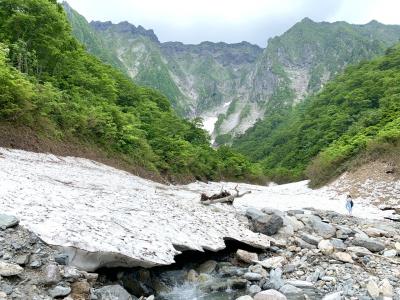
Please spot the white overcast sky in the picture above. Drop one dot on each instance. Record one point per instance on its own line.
(193, 21)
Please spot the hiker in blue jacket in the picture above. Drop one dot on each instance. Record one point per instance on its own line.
(349, 204)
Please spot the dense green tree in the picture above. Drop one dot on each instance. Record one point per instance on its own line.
(50, 83)
(359, 108)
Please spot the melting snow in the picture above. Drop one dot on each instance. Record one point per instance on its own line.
(107, 217)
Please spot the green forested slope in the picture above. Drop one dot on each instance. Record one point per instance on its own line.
(358, 112)
(50, 83)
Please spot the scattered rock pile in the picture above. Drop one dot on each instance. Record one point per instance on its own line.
(31, 270)
(314, 255)
(323, 255)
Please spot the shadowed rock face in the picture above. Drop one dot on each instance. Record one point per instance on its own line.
(101, 216)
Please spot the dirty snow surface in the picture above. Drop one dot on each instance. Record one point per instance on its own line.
(106, 217)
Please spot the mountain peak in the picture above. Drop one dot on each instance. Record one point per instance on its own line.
(125, 27)
(307, 20)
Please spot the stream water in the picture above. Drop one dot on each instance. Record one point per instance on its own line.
(187, 279)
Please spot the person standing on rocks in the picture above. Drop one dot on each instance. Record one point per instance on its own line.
(349, 204)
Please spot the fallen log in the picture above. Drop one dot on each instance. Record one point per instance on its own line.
(227, 199)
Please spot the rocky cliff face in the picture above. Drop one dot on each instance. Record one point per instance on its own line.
(233, 85)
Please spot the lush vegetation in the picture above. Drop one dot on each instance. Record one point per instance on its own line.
(50, 83)
(358, 112)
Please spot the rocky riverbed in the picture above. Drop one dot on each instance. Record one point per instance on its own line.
(314, 255)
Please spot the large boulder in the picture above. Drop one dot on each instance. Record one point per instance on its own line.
(7, 221)
(112, 292)
(268, 224)
(371, 244)
(270, 295)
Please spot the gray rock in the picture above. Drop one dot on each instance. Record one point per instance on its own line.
(338, 244)
(254, 289)
(316, 275)
(61, 259)
(373, 289)
(390, 253)
(308, 219)
(328, 278)
(294, 212)
(22, 259)
(6, 288)
(252, 276)
(324, 230)
(7, 221)
(112, 292)
(9, 269)
(59, 291)
(334, 296)
(246, 256)
(303, 244)
(71, 273)
(258, 269)
(268, 224)
(52, 274)
(272, 262)
(326, 247)
(293, 222)
(371, 244)
(385, 288)
(254, 213)
(345, 230)
(35, 262)
(288, 289)
(359, 251)
(275, 278)
(290, 268)
(270, 295)
(272, 211)
(311, 239)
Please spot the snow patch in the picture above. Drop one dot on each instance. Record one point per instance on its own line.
(209, 124)
(106, 217)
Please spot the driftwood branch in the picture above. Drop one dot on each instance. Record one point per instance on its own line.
(223, 197)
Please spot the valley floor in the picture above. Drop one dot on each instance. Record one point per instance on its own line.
(81, 204)
(101, 216)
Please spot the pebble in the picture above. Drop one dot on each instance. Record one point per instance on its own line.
(252, 276)
(59, 291)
